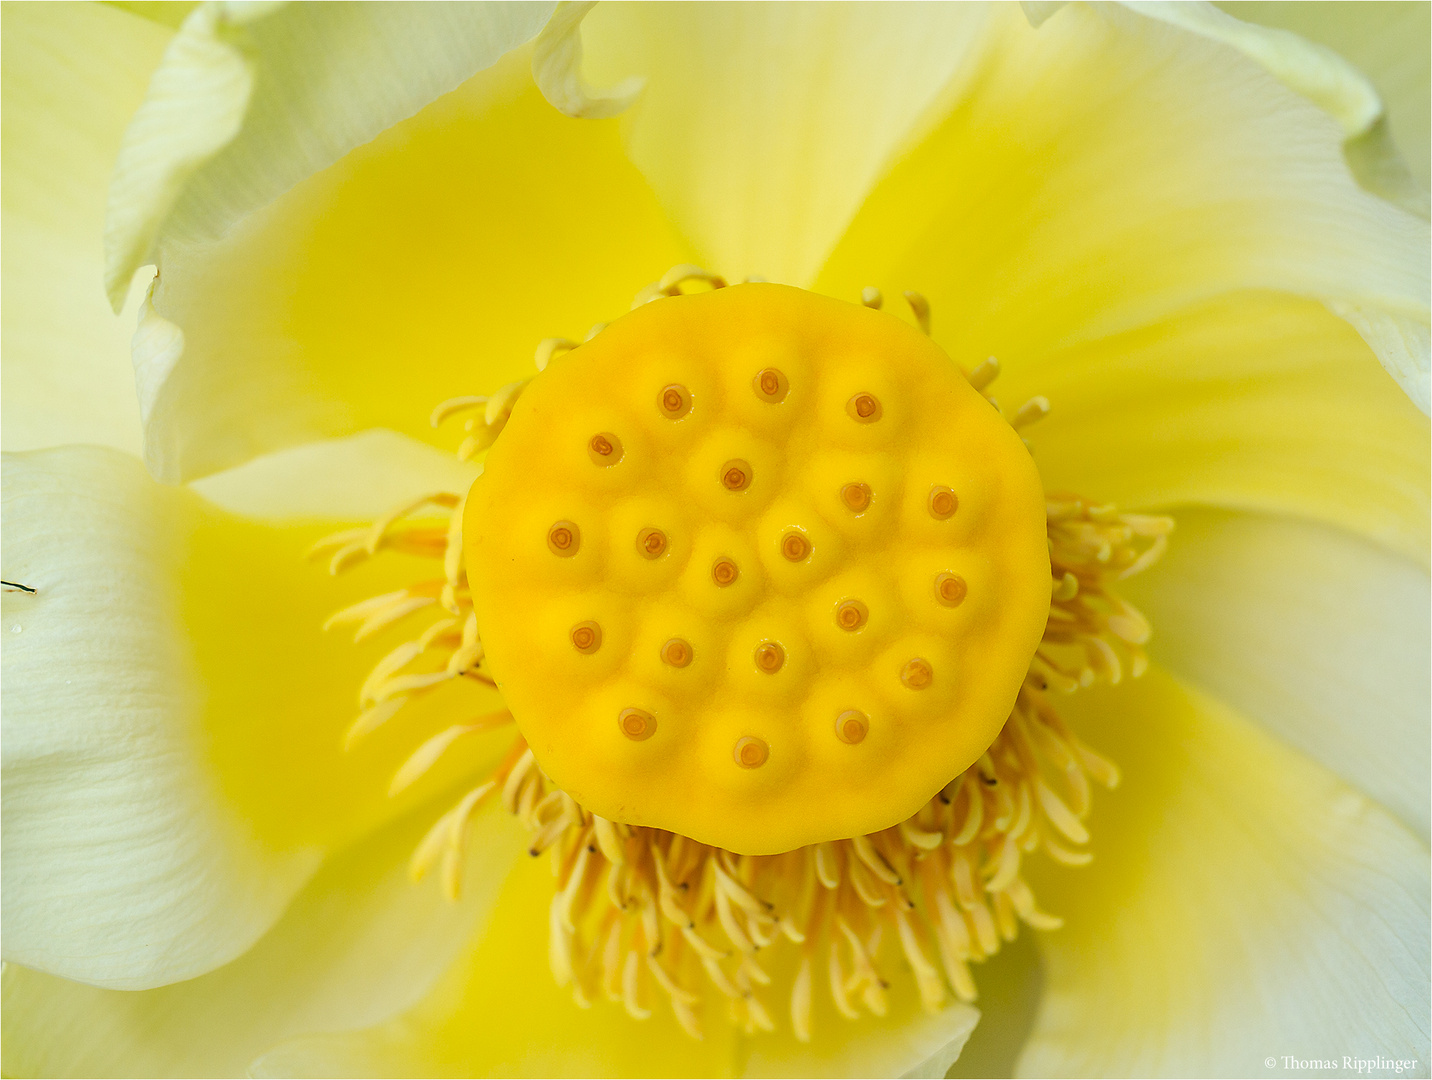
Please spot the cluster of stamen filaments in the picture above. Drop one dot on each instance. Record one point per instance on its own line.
(448, 647)
(1093, 634)
(641, 915)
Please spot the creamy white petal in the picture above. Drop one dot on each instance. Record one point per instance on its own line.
(557, 67)
(123, 865)
(1323, 76)
(1315, 71)
(71, 76)
(1106, 170)
(762, 126)
(250, 99)
(1319, 636)
(425, 264)
(1386, 41)
(1243, 903)
(173, 722)
(360, 942)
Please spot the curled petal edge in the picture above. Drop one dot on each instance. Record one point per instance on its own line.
(1401, 344)
(557, 68)
(252, 98)
(1319, 74)
(194, 108)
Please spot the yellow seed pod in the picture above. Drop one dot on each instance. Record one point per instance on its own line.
(816, 557)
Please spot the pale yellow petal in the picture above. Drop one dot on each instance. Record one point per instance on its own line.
(1106, 170)
(1313, 70)
(499, 1012)
(70, 78)
(1324, 77)
(168, 13)
(427, 263)
(1320, 637)
(557, 67)
(1009, 985)
(1254, 401)
(174, 719)
(907, 1043)
(250, 99)
(1243, 903)
(762, 126)
(1387, 42)
(360, 478)
(359, 943)
(1400, 342)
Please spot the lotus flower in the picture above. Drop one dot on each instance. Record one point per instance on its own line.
(1193, 236)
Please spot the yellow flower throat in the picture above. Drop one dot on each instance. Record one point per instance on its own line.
(775, 599)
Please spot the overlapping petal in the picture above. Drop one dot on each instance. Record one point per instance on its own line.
(763, 126)
(1385, 41)
(252, 98)
(1319, 72)
(1244, 904)
(1252, 401)
(427, 263)
(359, 943)
(1318, 636)
(72, 75)
(1166, 265)
(499, 1013)
(1079, 187)
(173, 721)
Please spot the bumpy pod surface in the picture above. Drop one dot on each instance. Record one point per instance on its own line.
(798, 602)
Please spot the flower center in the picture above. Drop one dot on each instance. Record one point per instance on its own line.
(801, 483)
(773, 594)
